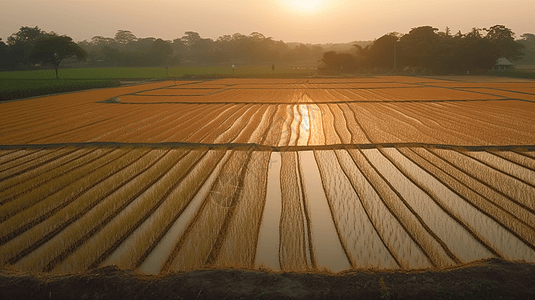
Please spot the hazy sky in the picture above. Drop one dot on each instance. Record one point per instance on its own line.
(312, 21)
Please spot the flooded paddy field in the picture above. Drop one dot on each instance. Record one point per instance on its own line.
(318, 174)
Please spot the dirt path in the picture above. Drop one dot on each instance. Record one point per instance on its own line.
(489, 279)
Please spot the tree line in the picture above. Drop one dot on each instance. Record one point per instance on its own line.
(426, 49)
(423, 49)
(127, 50)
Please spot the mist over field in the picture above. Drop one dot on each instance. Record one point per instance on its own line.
(304, 21)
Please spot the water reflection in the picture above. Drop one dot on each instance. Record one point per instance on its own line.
(304, 126)
(308, 210)
(267, 252)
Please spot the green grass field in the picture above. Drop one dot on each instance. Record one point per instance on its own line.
(22, 84)
(159, 73)
(22, 88)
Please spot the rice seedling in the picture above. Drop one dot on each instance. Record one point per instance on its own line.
(120, 191)
(516, 171)
(68, 208)
(358, 136)
(74, 177)
(179, 186)
(416, 125)
(222, 122)
(11, 187)
(130, 131)
(512, 93)
(73, 207)
(460, 231)
(15, 165)
(20, 123)
(503, 233)
(356, 95)
(130, 127)
(175, 116)
(304, 127)
(213, 216)
(8, 156)
(527, 153)
(52, 132)
(360, 240)
(294, 251)
(519, 159)
(164, 243)
(371, 126)
(431, 93)
(340, 123)
(273, 133)
(231, 127)
(262, 130)
(407, 216)
(499, 131)
(448, 232)
(252, 125)
(331, 136)
(238, 243)
(403, 252)
(517, 196)
(49, 156)
(285, 118)
(436, 126)
(294, 126)
(325, 241)
(182, 91)
(86, 130)
(317, 135)
(267, 247)
(487, 200)
(168, 129)
(146, 192)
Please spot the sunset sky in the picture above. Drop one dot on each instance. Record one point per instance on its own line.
(312, 21)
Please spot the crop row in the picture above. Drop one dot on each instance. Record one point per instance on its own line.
(177, 209)
(505, 122)
(31, 114)
(296, 94)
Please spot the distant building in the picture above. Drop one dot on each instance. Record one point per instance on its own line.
(502, 64)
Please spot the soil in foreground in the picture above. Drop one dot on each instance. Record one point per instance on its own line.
(487, 279)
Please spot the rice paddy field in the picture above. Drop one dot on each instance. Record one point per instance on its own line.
(310, 174)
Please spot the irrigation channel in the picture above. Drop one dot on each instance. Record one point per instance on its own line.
(281, 174)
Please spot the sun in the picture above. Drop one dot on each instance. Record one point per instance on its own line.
(305, 5)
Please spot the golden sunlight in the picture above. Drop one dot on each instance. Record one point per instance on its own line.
(305, 5)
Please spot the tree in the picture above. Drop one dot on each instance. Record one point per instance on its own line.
(503, 39)
(339, 62)
(474, 52)
(419, 47)
(528, 37)
(124, 37)
(102, 41)
(53, 49)
(383, 51)
(528, 40)
(5, 56)
(161, 52)
(21, 43)
(190, 38)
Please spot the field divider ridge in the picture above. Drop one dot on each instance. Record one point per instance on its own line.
(263, 147)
